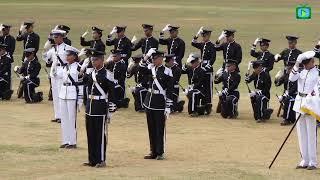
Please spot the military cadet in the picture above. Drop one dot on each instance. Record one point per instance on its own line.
(177, 105)
(157, 103)
(264, 54)
(70, 99)
(96, 41)
(229, 94)
(208, 57)
(97, 44)
(147, 42)
(307, 79)
(5, 73)
(58, 56)
(291, 53)
(97, 111)
(29, 76)
(261, 95)
(7, 39)
(120, 42)
(289, 95)
(139, 69)
(118, 67)
(29, 37)
(230, 49)
(67, 29)
(196, 81)
(175, 45)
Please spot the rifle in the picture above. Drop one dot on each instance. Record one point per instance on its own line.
(280, 107)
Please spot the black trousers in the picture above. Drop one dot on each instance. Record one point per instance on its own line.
(288, 113)
(97, 133)
(259, 105)
(5, 91)
(29, 92)
(156, 128)
(229, 104)
(119, 95)
(207, 89)
(196, 99)
(139, 94)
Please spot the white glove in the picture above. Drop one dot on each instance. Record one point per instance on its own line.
(219, 93)
(27, 77)
(277, 56)
(252, 94)
(185, 92)
(200, 31)
(280, 98)
(300, 58)
(1, 27)
(16, 68)
(134, 38)
(256, 41)
(318, 43)
(84, 34)
(167, 112)
(47, 45)
(23, 28)
(82, 52)
(80, 103)
(222, 35)
(166, 28)
(114, 30)
(259, 92)
(150, 52)
(115, 81)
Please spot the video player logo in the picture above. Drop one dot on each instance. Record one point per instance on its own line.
(303, 12)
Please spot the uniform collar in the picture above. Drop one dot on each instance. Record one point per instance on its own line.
(97, 70)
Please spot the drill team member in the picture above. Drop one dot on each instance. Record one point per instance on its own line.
(97, 110)
(147, 42)
(291, 53)
(58, 56)
(29, 76)
(70, 99)
(195, 92)
(230, 49)
(118, 68)
(306, 126)
(5, 73)
(229, 95)
(120, 42)
(7, 39)
(264, 54)
(208, 56)
(29, 37)
(261, 95)
(157, 103)
(175, 45)
(67, 29)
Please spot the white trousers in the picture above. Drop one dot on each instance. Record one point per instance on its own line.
(307, 135)
(68, 121)
(56, 86)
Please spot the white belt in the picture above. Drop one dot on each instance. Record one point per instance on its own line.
(156, 91)
(97, 97)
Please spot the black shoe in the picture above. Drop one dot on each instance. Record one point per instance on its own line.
(54, 120)
(58, 120)
(64, 145)
(268, 113)
(101, 165)
(311, 168)
(150, 156)
(74, 146)
(285, 123)
(160, 157)
(88, 164)
(301, 167)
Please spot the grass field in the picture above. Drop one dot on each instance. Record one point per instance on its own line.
(200, 148)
